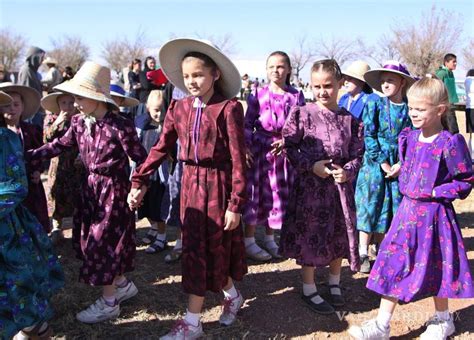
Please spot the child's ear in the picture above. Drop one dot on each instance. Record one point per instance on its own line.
(217, 75)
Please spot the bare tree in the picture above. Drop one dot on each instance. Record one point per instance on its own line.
(468, 54)
(225, 42)
(12, 48)
(423, 44)
(300, 55)
(384, 49)
(119, 52)
(69, 50)
(339, 49)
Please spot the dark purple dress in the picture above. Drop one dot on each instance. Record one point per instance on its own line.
(319, 226)
(104, 226)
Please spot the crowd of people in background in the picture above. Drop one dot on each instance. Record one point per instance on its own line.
(377, 163)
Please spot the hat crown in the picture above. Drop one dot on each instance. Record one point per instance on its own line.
(94, 77)
(396, 66)
(357, 69)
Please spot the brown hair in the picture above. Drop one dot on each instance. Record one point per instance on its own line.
(208, 62)
(328, 65)
(287, 62)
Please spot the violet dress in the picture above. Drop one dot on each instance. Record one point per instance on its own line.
(270, 177)
(423, 252)
(104, 226)
(320, 223)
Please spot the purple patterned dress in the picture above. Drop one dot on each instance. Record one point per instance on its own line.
(320, 223)
(270, 177)
(423, 252)
(104, 226)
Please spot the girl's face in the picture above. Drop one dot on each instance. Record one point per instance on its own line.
(424, 114)
(198, 78)
(154, 107)
(277, 69)
(391, 83)
(151, 63)
(13, 112)
(136, 67)
(353, 86)
(66, 104)
(325, 88)
(85, 105)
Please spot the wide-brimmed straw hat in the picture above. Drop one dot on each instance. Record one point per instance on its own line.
(372, 77)
(50, 102)
(116, 90)
(31, 98)
(171, 56)
(91, 81)
(5, 99)
(357, 70)
(50, 60)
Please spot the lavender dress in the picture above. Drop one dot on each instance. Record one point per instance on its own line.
(320, 223)
(423, 252)
(270, 177)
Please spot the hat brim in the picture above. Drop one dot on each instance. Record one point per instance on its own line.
(355, 76)
(31, 99)
(372, 78)
(5, 99)
(127, 101)
(50, 102)
(73, 88)
(171, 56)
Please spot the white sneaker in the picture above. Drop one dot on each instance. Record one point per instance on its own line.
(182, 330)
(369, 330)
(127, 292)
(99, 311)
(438, 329)
(230, 308)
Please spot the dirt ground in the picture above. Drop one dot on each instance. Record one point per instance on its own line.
(272, 310)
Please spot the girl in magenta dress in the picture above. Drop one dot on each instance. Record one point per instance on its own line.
(270, 174)
(104, 226)
(324, 144)
(210, 127)
(423, 253)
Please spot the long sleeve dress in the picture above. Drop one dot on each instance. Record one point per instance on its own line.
(423, 252)
(377, 197)
(64, 174)
(29, 271)
(213, 181)
(104, 226)
(320, 223)
(270, 177)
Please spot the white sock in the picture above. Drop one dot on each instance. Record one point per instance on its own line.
(443, 315)
(161, 237)
(363, 249)
(249, 241)
(269, 238)
(110, 300)
(251, 246)
(192, 318)
(231, 293)
(335, 280)
(383, 319)
(178, 245)
(120, 283)
(309, 289)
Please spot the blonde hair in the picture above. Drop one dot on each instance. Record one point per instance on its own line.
(155, 95)
(431, 89)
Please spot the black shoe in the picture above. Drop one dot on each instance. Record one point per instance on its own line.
(321, 308)
(364, 264)
(337, 300)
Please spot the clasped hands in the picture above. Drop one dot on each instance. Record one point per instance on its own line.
(325, 168)
(391, 171)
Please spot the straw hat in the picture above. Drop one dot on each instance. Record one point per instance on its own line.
(50, 60)
(357, 70)
(372, 77)
(5, 99)
(116, 90)
(91, 81)
(50, 102)
(171, 56)
(31, 98)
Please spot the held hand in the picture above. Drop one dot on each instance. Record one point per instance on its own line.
(231, 220)
(394, 171)
(35, 177)
(277, 147)
(249, 159)
(339, 174)
(386, 167)
(320, 169)
(135, 197)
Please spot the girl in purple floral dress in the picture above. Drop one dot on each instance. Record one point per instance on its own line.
(423, 252)
(104, 226)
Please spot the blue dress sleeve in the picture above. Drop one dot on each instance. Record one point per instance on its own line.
(459, 164)
(370, 118)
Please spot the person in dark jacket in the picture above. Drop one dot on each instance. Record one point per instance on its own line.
(28, 75)
(146, 85)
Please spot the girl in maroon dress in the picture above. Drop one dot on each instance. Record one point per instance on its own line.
(104, 226)
(26, 102)
(210, 127)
